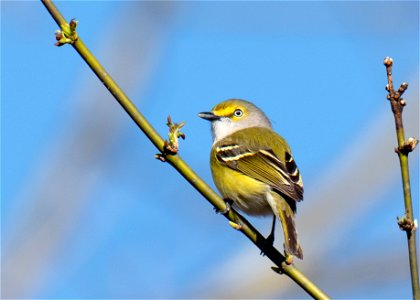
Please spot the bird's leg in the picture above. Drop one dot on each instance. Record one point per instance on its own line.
(269, 241)
(270, 238)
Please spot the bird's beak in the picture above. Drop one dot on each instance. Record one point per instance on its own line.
(209, 116)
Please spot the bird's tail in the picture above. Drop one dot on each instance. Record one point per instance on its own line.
(284, 212)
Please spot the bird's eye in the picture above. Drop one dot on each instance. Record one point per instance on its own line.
(238, 113)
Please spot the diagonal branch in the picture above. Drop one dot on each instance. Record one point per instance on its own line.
(176, 161)
(407, 222)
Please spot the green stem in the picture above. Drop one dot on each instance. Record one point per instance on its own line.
(175, 160)
(411, 234)
(397, 106)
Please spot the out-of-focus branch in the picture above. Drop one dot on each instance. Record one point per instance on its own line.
(407, 223)
(69, 35)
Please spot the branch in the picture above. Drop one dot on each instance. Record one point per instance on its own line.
(406, 223)
(68, 35)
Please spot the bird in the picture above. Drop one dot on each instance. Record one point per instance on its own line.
(253, 167)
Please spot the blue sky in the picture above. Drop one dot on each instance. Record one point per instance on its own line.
(87, 212)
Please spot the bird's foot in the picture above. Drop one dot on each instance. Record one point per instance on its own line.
(228, 203)
(268, 242)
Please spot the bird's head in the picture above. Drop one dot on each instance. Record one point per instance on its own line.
(232, 115)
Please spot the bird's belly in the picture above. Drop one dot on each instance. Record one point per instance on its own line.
(248, 194)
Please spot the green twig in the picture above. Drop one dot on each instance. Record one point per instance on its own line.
(171, 146)
(175, 160)
(407, 222)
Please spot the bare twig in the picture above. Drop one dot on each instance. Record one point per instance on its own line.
(175, 160)
(407, 222)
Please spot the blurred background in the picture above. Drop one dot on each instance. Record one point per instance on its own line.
(86, 210)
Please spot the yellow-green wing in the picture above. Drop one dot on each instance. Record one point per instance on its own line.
(263, 163)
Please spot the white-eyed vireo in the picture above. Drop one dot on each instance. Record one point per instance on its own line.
(253, 166)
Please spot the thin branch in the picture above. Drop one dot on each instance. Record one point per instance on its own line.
(175, 160)
(407, 222)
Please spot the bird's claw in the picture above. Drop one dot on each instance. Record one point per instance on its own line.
(268, 242)
(227, 208)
